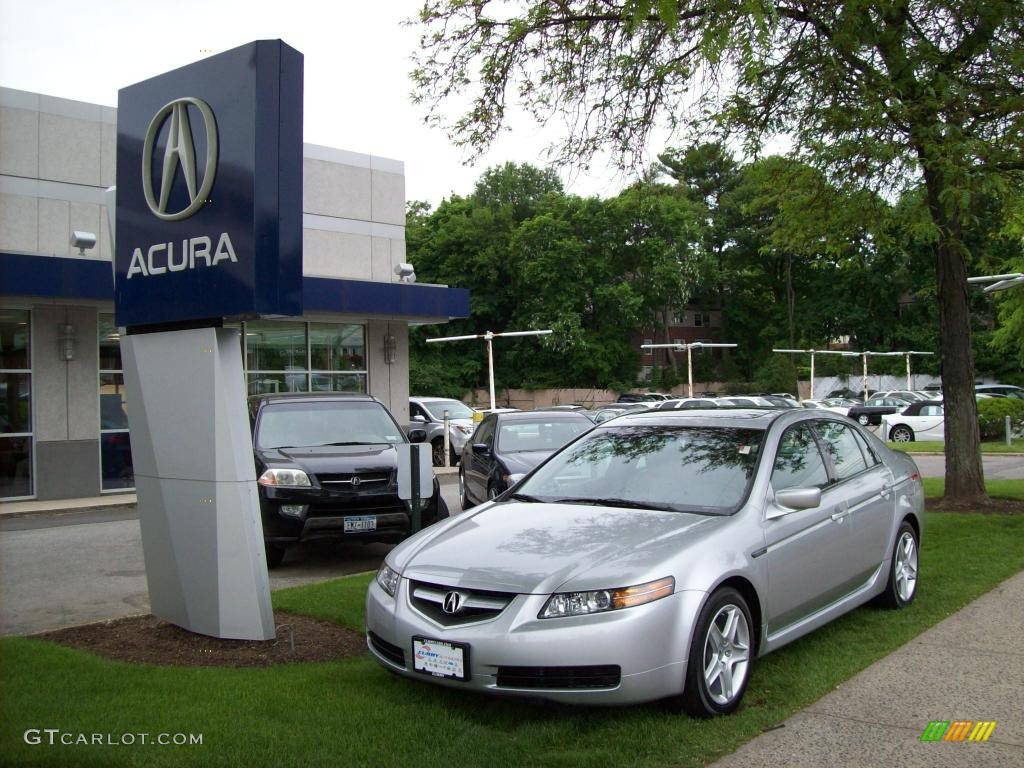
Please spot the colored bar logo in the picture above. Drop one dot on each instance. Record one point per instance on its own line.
(958, 730)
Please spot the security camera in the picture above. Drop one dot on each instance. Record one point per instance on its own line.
(82, 241)
(406, 272)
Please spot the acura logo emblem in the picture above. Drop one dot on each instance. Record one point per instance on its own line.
(452, 602)
(355, 482)
(180, 152)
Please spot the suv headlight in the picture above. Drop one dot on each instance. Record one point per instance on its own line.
(387, 578)
(463, 429)
(285, 477)
(601, 600)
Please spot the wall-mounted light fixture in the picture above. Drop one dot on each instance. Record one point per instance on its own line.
(82, 241)
(66, 340)
(390, 349)
(406, 272)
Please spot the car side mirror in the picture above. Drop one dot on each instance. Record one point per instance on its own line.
(419, 419)
(481, 449)
(792, 499)
(417, 435)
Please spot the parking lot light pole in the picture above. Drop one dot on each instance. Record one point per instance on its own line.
(489, 336)
(998, 282)
(812, 353)
(907, 355)
(689, 359)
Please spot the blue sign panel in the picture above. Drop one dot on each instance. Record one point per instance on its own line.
(209, 190)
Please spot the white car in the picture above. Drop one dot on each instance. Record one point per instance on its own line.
(923, 420)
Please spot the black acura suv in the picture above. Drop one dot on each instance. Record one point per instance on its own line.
(326, 467)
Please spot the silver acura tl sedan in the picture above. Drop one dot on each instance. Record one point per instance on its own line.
(656, 556)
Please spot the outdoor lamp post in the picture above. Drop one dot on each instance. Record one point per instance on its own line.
(689, 358)
(488, 337)
(812, 353)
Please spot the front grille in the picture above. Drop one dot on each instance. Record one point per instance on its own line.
(392, 653)
(343, 480)
(474, 604)
(560, 678)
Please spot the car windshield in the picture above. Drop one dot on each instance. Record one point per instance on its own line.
(310, 424)
(541, 435)
(456, 410)
(685, 469)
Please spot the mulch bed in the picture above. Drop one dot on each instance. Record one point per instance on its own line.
(986, 507)
(149, 640)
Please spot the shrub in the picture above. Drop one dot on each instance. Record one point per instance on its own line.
(992, 413)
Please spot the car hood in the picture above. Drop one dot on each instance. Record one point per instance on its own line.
(381, 457)
(539, 548)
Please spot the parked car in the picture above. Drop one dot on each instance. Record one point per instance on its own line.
(508, 445)
(601, 415)
(639, 397)
(903, 394)
(429, 412)
(326, 467)
(685, 403)
(1007, 390)
(658, 555)
(923, 420)
(871, 412)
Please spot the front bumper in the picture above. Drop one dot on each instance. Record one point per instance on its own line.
(649, 645)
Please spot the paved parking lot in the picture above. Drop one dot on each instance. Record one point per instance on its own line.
(59, 570)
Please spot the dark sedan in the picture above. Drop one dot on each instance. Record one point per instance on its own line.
(506, 446)
(326, 467)
(872, 411)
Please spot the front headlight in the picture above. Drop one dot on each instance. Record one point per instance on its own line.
(464, 429)
(601, 600)
(285, 477)
(388, 578)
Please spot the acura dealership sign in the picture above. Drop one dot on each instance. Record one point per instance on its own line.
(209, 191)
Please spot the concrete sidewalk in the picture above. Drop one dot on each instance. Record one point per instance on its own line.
(970, 666)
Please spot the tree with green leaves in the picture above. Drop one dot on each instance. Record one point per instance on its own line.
(886, 91)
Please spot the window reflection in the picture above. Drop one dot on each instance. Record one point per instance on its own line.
(15, 403)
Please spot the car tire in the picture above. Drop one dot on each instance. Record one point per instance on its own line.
(441, 510)
(437, 453)
(901, 433)
(275, 555)
(463, 496)
(721, 656)
(901, 586)
(863, 419)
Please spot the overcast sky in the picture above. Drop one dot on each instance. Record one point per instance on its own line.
(357, 60)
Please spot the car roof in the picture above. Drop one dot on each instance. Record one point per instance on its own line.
(542, 415)
(327, 397)
(749, 418)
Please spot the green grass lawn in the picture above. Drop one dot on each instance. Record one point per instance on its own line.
(937, 446)
(353, 713)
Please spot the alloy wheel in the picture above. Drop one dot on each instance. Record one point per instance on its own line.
(905, 569)
(902, 435)
(726, 654)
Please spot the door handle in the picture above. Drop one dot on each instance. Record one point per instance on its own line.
(838, 516)
(886, 490)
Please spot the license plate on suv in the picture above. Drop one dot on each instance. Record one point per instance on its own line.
(359, 524)
(440, 658)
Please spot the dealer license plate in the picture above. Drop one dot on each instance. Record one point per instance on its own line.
(357, 524)
(440, 659)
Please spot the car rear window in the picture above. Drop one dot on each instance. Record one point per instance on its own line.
(318, 423)
(547, 435)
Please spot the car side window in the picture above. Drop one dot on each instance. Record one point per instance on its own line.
(842, 448)
(485, 432)
(416, 410)
(931, 410)
(869, 454)
(798, 463)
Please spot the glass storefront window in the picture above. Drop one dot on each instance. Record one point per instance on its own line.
(15, 403)
(268, 382)
(339, 382)
(116, 468)
(336, 347)
(275, 346)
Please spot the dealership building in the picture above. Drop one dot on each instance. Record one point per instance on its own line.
(63, 428)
